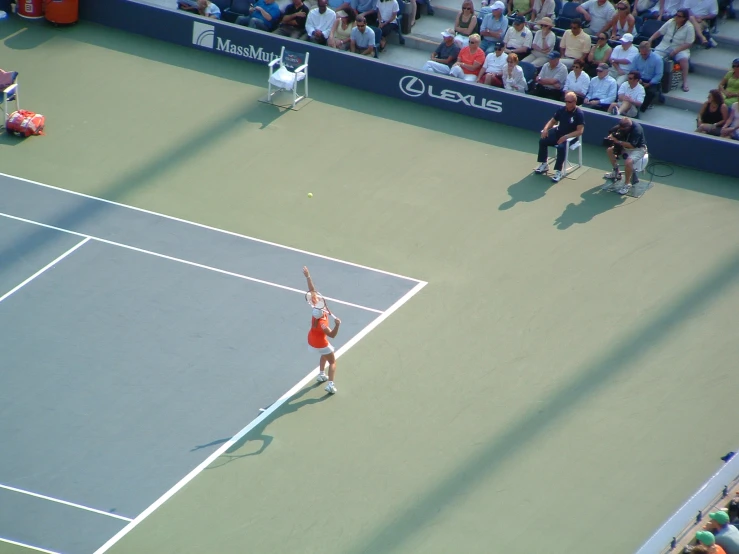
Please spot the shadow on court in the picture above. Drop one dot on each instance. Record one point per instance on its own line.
(529, 189)
(621, 356)
(594, 202)
(258, 434)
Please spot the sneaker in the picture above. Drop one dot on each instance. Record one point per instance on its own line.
(615, 175)
(322, 377)
(557, 177)
(543, 168)
(331, 388)
(614, 110)
(624, 189)
(609, 186)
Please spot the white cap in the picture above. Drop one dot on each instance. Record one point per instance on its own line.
(628, 37)
(317, 313)
(448, 33)
(499, 5)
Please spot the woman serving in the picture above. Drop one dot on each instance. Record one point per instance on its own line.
(320, 332)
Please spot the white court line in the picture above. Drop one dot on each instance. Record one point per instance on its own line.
(24, 545)
(208, 227)
(66, 503)
(43, 269)
(264, 415)
(180, 260)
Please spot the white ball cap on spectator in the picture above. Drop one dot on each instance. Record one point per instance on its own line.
(628, 37)
(498, 6)
(447, 33)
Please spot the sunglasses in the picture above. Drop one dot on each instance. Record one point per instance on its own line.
(623, 9)
(570, 101)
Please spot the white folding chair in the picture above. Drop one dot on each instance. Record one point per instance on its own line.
(9, 94)
(573, 144)
(293, 68)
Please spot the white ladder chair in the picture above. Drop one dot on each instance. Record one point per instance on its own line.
(9, 93)
(293, 68)
(573, 144)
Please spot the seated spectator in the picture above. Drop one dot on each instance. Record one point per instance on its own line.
(518, 39)
(362, 38)
(445, 55)
(575, 44)
(646, 9)
(727, 536)
(598, 13)
(495, 64)
(551, 79)
(367, 9)
(730, 130)
(602, 90)
(707, 539)
(668, 9)
(387, 14)
(466, 23)
(292, 23)
(651, 68)
(541, 9)
(470, 60)
(341, 32)
(263, 15)
(578, 82)
(621, 23)
(627, 142)
(729, 85)
(209, 9)
(703, 14)
(599, 53)
(630, 97)
(319, 23)
(493, 27)
(542, 44)
(678, 36)
(513, 77)
(622, 58)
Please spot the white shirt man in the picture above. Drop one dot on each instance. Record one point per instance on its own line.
(630, 96)
(622, 58)
(577, 83)
(518, 38)
(496, 62)
(319, 22)
(598, 13)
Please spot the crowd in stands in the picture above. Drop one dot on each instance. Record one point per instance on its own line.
(720, 535)
(616, 58)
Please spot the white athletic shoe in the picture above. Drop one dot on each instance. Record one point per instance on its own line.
(331, 388)
(543, 168)
(322, 377)
(557, 176)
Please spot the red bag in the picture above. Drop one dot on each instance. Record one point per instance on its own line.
(25, 123)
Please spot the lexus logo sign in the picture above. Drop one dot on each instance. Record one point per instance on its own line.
(412, 86)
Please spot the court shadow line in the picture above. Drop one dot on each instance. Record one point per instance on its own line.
(531, 188)
(258, 432)
(594, 202)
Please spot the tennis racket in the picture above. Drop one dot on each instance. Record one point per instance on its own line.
(316, 300)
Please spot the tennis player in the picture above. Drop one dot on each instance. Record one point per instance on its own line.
(318, 336)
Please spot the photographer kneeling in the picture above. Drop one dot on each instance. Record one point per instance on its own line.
(625, 140)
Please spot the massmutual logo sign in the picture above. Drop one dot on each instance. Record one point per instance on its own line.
(204, 35)
(415, 88)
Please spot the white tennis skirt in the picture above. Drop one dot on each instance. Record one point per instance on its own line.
(323, 351)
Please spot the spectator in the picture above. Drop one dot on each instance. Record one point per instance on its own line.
(209, 9)
(727, 536)
(578, 82)
(702, 15)
(491, 72)
(730, 130)
(387, 11)
(466, 23)
(568, 122)
(599, 53)
(621, 23)
(598, 12)
(293, 21)
(574, 44)
(630, 97)
(678, 36)
(541, 9)
(445, 55)
(470, 60)
(341, 31)
(622, 58)
(513, 78)
(263, 15)
(551, 79)
(542, 44)
(319, 23)
(518, 38)
(646, 9)
(367, 9)
(362, 38)
(627, 141)
(729, 85)
(651, 68)
(668, 9)
(494, 26)
(602, 90)
(707, 539)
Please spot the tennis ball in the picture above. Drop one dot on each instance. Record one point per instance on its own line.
(310, 195)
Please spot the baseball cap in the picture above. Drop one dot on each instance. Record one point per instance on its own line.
(499, 46)
(448, 33)
(498, 5)
(603, 67)
(554, 55)
(519, 19)
(628, 37)
(341, 13)
(735, 62)
(720, 517)
(705, 537)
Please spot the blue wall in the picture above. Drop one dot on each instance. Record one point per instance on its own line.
(496, 105)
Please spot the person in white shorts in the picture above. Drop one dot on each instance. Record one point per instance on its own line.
(678, 35)
(318, 336)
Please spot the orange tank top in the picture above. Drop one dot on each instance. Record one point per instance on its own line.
(316, 337)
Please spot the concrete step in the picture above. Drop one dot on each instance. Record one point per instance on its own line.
(713, 62)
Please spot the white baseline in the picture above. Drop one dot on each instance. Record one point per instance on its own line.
(30, 547)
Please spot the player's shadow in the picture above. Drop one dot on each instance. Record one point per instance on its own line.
(529, 189)
(242, 448)
(594, 202)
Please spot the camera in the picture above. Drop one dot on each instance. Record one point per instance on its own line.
(618, 134)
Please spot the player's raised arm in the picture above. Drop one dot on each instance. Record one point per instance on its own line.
(311, 288)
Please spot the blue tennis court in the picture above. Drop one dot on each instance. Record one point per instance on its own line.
(135, 346)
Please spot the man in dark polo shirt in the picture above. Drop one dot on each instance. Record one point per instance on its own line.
(567, 122)
(293, 22)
